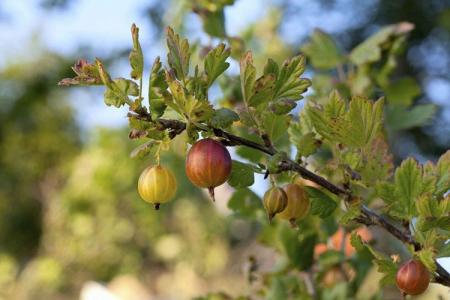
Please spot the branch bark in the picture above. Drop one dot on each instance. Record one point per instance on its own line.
(368, 216)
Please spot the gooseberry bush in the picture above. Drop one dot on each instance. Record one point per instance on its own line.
(330, 174)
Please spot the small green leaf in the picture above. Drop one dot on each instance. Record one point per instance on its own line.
(263, 90)
(247, 75)
(128, 87)
(426, 256)
(179, 54)
(136, 57)
(408, 185)
(143, 150)
(157, 93)
(223, 118)
(289, 85)
(352, 212)
(306, 144)
(215, 63)
(275, 125)
(322, 51)
(241, 175)
(321, 204)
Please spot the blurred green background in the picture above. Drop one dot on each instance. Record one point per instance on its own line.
(70, 214)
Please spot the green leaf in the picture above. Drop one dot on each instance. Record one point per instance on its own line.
(275, 125)
(271, 67)
(263, 90)
(282, 106)
(356, 127)
(400, 118)
(321, 204)
(294, 243)
(289, 85)
(370, 50)
(426, 256)
(322, 51)
(385, 265)
(179, 54)
(306, 144)
(215, 63)
(128, 87)
(223, 118)
(403, 91)
(187, 105)
(363, 121)
(157, 93)
(353, 211)
(244, 202)
(443, 174)
(247, 76)
(143, 150)
(389, 270)
(241, 175)
(114, 94)
(408, 186)
(136, 57)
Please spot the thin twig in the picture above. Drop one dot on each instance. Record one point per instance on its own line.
(367, 217)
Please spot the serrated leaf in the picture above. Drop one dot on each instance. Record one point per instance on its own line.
(157, 93)
(356, 127)
(114, 95)
(389, 270)
(136, 57)
(321, 204)
(426, 256)
(271, 67)
(322, 51)
(215, 63)
(364, 121)
(223, 118)
(377, 162)
(400, 118)
(408, 185)
(384, 264)
(241, 175)
(179, 54)
(443, 174)
(288, 83)
(247, 76)
(128, 87)
(352, 212)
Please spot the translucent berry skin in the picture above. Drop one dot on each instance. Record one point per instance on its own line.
(413, 278)
(157, 185)
(208, 164)
(275, 201)
(297, 204)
